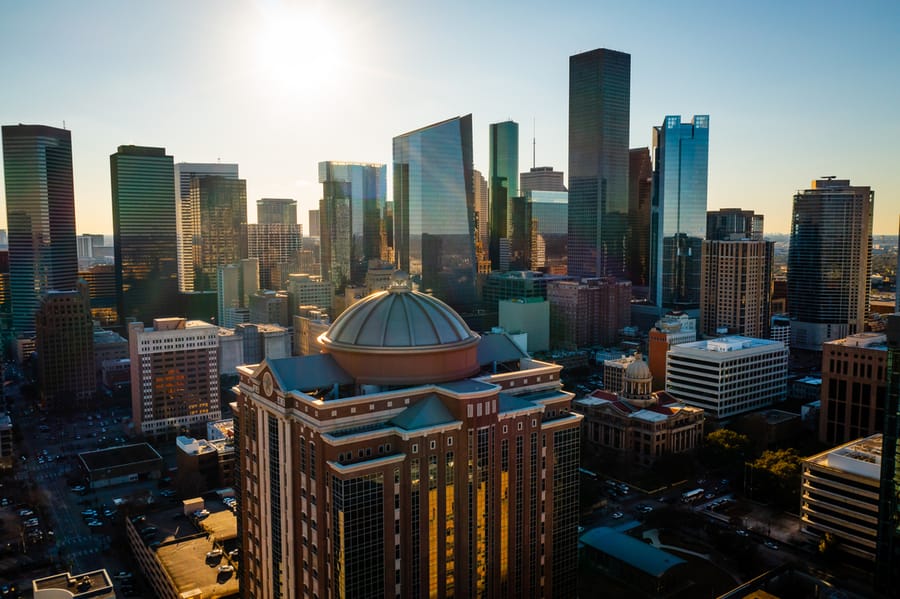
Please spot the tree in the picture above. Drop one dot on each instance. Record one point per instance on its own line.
(726, 448)
(776, 477)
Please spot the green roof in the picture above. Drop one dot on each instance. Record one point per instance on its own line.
(631, 551)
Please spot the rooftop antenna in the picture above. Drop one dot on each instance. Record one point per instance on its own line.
(64, 123)
(829, 177)
(533, 143)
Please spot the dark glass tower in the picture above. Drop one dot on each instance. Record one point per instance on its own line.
(218, 208)
(276, 211)
(640, 178)
(143, 201)
(599, 105)
(434, 210)
(678, 211)
(503, 183)
(351, 214)
(888, 560)
(40, 215)
(829, 262)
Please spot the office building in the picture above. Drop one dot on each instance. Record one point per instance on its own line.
(678, 211)
(888, 554)
(839, 495)
(203, 465)
(640, 183)
(351, 214)
(482, 208)
(314, 226)
(65, 350)
(276, 211)
(398, 464)
(541, 178)
(40, 216)
(270, 307)
(503, 182)
(614, 372)
(729, 375)
(672, 329)
(249, 343)
(185, 225)
(101, 282)
(854, 387)
(276, 246)
(174, 376)
(546, 231)
(599, 118)
(218, 215)
(144, 232)
(830, 262)
(309, 324)
(527, 315)
(736, 277)
(309, 290)
(734, 224)
(434, 210)
(638, 422)
(236, 283)
(589, 312)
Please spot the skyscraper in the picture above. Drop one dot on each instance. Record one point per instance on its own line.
(678, 211)
(351, 214)
(541, 178)
(314, 223)
(276, 211)
(144, 232)
(482, 208)
(736, 275)
(218, 208)
(599, 106)
(434, 209)
(640, 179)
(40, 214)
(829, 262)
(185, 172)
(503, 182)
(888, 562)
(276, 247)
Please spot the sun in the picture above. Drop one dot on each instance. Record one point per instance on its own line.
(299, 49)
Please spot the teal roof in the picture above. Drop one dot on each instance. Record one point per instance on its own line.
(308, 373)
(498, 347)
(425, 413)
(631, 551)
(512, 403)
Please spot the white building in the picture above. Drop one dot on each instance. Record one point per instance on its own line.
(729, 375)
(251, 343)
(236, 283)
(839, 491)
(174, 375)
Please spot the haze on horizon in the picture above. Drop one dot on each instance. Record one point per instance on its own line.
(793, 92)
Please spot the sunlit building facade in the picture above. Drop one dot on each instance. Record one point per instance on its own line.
(144, 232)
(218, 208)
(546, 230)
(40, 215)
(503, 183)
(678, 211)
(599, 109)
(277, 248)
(434, 210)
(397, 465)
(276, 211)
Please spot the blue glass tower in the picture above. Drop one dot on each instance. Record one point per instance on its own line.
(599, 107)
(434, 210)
(503, 183)
(678, 211)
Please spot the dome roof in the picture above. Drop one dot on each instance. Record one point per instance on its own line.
(401, 336)
(638, 370)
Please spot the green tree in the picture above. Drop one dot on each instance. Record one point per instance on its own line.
(775, 476)
(726, 448)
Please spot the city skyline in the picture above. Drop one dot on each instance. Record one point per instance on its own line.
(750, 71)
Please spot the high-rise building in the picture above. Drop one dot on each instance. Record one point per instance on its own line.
(671, 329)
(736, 277)
(40, 214)
(888, 552)
(599, 113)
(236, 283)
(274, 245)
(546, 231)
(434, 210)
(640, 180)
(541, 178)
(854, 385)
(351, 214)
(276, 211)
(314, 223)
(144, 232)
(391, 466)
(309, 290)
(482, 208)
(590, 312)
(734, 224)
(101, 282)
(503, 182)
(174, 375)
(65, 350)
(728, 376)
(678, 211)
(218, 208)
(185, 173)
(829, 262)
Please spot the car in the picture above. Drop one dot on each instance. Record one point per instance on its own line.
(25, 513)
(167, 493)
(123, 575)
(617, 515)
(89, 512)
(771, 545)
(709, 496)
(201, 514)
(234, 553)
(78, 489)
(647, 509)
(742, 533)
(224, 568)
(94, 523)
(214, 554)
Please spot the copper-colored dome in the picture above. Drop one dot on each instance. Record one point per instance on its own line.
(393, 336)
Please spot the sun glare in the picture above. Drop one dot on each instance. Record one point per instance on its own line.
(299, 49)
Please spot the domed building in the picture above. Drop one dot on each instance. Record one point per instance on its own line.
(403, 461)
(635, 420)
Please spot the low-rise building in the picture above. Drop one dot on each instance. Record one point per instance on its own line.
(249, 343)
(839, 492)
(6, 442)
(204, 465)
(673, 329)
(123, 464)
(95, 584)
(614, 372)
(729, 375)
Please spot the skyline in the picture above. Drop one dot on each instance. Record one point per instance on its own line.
(136, 74)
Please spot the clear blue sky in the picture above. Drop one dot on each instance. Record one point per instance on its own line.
(795, 90)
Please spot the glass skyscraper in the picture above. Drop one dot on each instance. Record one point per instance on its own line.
(678, 211)
(276, 211)
(218, 209)
(599, 106)
(144, 232)
(640, 178)
(829, 262)
(503, 183)
(434, 210)
(351, 218)
(40, 215)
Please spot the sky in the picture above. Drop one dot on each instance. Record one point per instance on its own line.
(795, 90)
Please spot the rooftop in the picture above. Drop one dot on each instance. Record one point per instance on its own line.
(731, 344)
(861, 457)
(96, 584)
(119, 456)
(867, 340)
(186, 564)
(650, 560)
